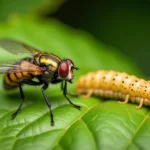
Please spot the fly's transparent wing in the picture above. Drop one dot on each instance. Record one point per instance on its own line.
(17, 48)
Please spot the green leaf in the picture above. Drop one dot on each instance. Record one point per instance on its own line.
(100, 124)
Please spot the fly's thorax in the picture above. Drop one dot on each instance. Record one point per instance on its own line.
(48, 60)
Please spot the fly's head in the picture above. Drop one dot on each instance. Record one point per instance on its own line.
(66, 69)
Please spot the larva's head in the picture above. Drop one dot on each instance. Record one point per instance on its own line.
(66, 69)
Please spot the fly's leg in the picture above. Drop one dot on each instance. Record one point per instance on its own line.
(70, 94)
(65, 94)
(25, 81)
(62, 87)
(22, 100)
(31, 82)
(47, 102)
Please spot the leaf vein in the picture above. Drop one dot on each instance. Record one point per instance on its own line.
(140, 125)
(88, 109)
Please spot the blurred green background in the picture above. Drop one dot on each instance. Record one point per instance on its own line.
(121, 24)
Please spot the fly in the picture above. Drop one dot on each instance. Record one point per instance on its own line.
(47, 68)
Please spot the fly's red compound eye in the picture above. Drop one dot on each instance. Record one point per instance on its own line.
(63, 69)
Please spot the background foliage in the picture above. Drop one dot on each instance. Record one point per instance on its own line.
(122, 24)
(100, 124)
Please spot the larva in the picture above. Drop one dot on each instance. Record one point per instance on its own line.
(118, 85)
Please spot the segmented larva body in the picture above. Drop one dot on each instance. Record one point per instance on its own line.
(118, 85)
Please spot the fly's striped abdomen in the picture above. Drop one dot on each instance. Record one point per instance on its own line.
(11, 79)
(49, 60)
(111, 84)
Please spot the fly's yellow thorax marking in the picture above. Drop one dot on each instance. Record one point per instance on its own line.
(51, 63)
(50, 60)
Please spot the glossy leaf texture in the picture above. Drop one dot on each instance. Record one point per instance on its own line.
(99, 125)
